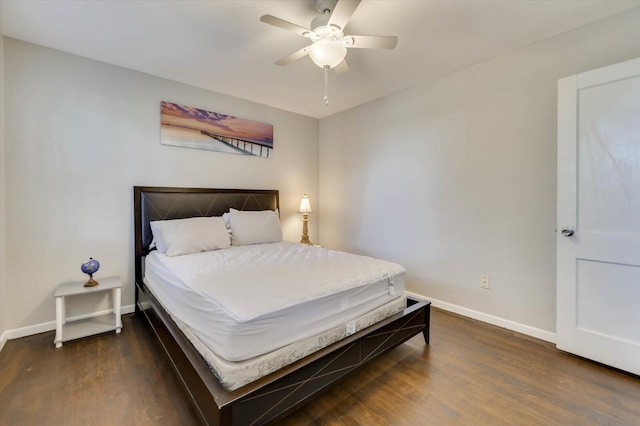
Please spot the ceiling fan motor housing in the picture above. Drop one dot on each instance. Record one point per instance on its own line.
(319, 22)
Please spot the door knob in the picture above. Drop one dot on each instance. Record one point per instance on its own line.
(567, 232)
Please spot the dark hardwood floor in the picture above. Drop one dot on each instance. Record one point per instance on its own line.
(472, 373)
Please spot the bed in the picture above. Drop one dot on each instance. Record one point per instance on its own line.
(278, 393)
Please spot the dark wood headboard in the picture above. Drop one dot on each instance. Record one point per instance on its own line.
(163, 203)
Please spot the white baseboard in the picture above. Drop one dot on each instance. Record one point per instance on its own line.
(3, 339)
(29, 330)
(481, 316)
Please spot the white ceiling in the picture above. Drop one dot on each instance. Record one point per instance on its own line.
(221, 45)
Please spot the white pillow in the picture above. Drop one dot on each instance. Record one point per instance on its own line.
(254, 227)
(193, 235)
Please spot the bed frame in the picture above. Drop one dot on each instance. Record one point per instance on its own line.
(274, 396)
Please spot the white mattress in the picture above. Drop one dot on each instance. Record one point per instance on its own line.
(233, 375)
(245, 301)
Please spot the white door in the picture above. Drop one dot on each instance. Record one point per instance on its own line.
(598, 242)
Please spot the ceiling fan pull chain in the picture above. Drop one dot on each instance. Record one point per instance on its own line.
(326, 85)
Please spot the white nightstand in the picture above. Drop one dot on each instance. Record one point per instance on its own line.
(88, 326)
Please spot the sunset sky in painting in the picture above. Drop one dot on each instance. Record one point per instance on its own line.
(221, 124)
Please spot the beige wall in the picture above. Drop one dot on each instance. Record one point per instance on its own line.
(457, 177)
(79, 134)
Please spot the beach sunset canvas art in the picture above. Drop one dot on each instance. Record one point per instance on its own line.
(196, 128)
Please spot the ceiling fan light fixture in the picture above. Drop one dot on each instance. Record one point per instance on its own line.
(327, 53)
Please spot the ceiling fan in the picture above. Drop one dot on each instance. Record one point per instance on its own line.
(329, 43)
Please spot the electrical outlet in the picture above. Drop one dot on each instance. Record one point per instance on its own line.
(484, 281)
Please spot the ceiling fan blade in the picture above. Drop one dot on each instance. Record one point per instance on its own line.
(342, 12)
(285, 25)
(294, 56)
(342, 67)
(373, 42)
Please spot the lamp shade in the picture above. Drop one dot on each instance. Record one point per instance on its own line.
(327, 53)
(305, 205)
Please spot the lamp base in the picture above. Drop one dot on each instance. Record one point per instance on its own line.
(91, 282)
(305, 230)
